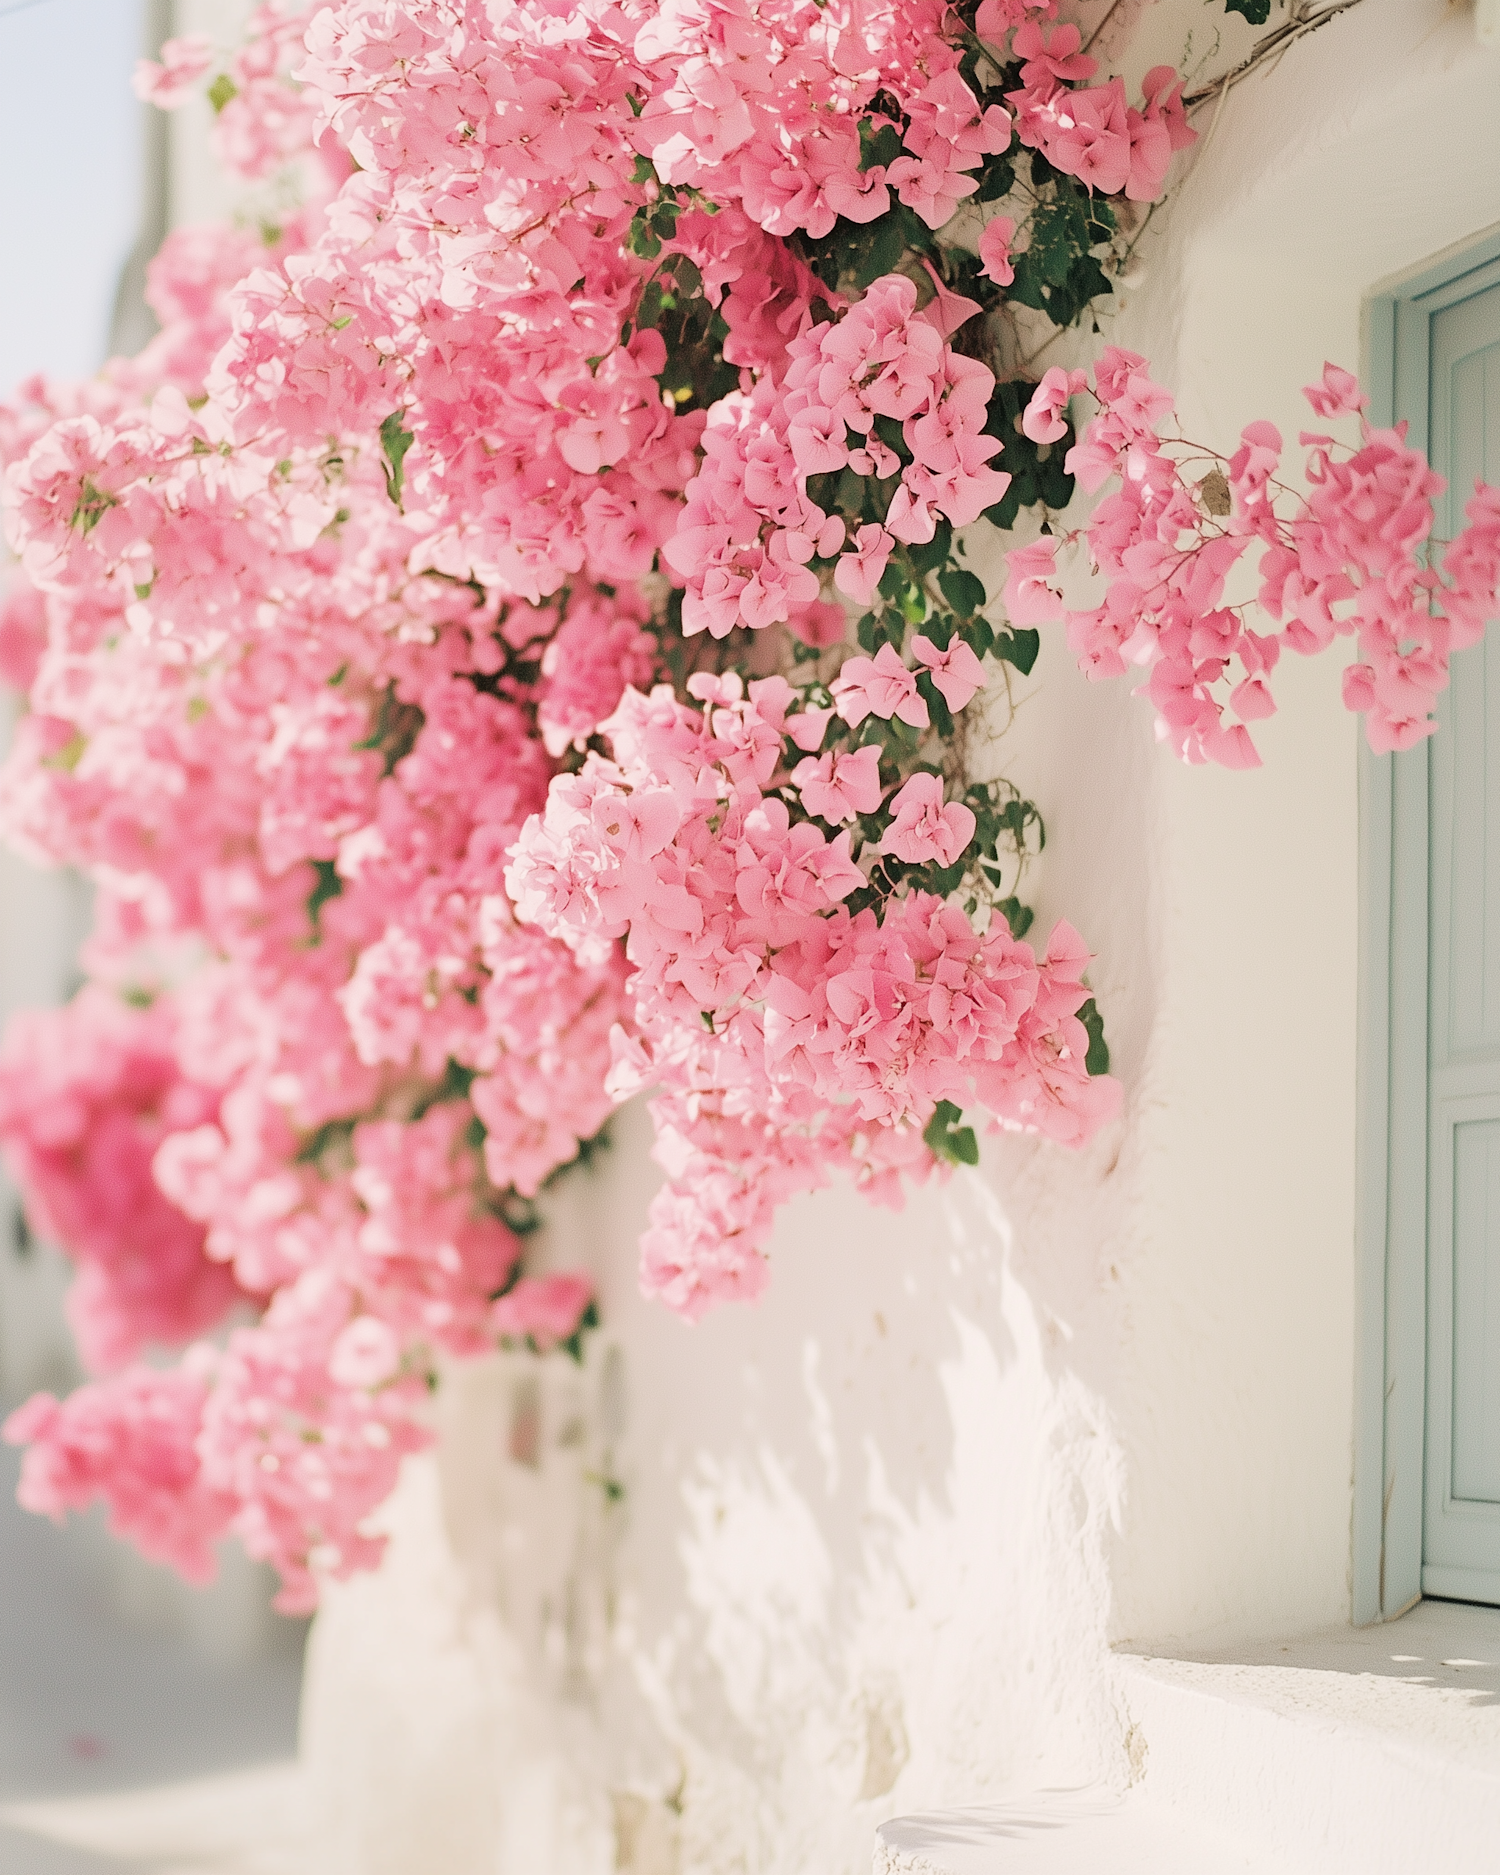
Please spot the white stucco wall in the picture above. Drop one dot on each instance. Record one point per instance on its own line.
(878, 1532)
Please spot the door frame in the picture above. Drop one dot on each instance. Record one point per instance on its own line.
(1390, 1367)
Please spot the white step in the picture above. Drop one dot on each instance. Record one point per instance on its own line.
(1371, 1751)
(1083, 1832)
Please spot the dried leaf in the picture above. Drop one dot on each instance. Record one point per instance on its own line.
(1213, 492)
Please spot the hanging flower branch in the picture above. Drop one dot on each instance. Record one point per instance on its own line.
(1349, 557)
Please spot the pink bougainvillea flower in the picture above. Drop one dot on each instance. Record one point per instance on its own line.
(994, 250)
(1045, 417)
(956, 672)
(880, 686)
(837, 788)
(923, 828)
(946, 310)
(1030, 597)
(1338, 394)
(168, 83)
(859, 571)
(1162, 89)
(822, 623)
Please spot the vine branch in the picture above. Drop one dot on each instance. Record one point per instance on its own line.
(1304, 19)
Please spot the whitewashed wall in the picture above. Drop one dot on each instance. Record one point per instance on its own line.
(878, 1533)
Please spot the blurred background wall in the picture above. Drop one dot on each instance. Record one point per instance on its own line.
(73, 163)
(112, 1672)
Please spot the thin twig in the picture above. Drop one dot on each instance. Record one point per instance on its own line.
(1108, 16)
(1214, 121)
(1296, 27)
(1136, 238)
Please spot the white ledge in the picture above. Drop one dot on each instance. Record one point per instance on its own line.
(1367, 1750)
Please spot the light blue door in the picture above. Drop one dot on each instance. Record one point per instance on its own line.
(1461, 1509)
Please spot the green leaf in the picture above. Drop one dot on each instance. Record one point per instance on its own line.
(949, 1141)
(1257, 12)
(879, 143)
(521, 1216)
(979, 636)
(889, 430)
(332, 1136)
(91, 507)
(996, 179)
(1002, 514)
(964, 591)
(892, 580)
(685, 272)
(329, 885)
(1056, 273)
(939, 630)
(394, 731)
(454, 1085)
(849, 494)
(639, 238)
(937, 704)
(926, 555)
(1097, 1059)
(852, 254)
(1086, 282)
(1016, 915)
(573, 1346)
(221, 91)
(1019, 647)
(395, 440)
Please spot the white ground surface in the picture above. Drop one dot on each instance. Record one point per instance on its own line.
(1064, 1832)
(1350, 1752)
(1430, 1681)
(126, 1745)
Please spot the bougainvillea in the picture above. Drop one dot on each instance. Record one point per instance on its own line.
(1347, 557)
(507, 644)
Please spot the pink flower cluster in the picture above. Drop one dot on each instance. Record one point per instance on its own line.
(1348, 557)
(750, 530)
(760, 106)
(789, 1035)
(1090, 131)
(262, 121)
(320, 1064)
(87, 1094)
(347, 1052)
(288, 1437)
(344, 611)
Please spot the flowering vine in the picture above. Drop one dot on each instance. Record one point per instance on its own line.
(1348, 557)
(508, 644)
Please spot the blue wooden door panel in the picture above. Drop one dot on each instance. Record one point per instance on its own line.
(1461, 1496)
(1475, 1472)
